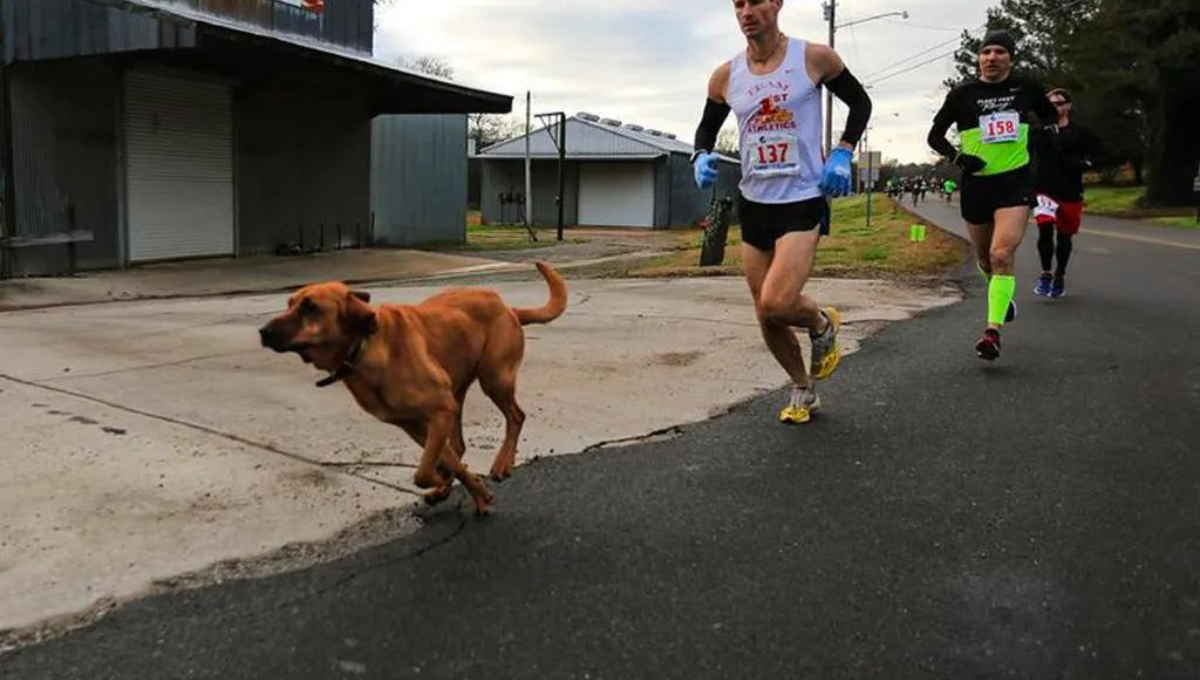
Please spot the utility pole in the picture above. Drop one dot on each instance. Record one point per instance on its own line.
(831, 17)
(562, 161)
(866, 145)
(529, 166)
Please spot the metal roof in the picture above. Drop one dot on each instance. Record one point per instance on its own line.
(488, 102)
(590, 137)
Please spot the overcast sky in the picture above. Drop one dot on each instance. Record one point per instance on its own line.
(648, 61)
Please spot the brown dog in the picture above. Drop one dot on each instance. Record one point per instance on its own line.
(411, 365)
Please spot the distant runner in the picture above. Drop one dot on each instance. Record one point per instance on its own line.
(948, 189)
(1061, 162)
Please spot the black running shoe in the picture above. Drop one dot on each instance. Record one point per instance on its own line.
(988, 347)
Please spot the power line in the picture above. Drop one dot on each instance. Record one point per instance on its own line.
(943, 55)
(914, 66)
(915, 56)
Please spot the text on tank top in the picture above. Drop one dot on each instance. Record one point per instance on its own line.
(779, 128)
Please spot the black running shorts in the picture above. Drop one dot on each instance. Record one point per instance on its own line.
(982, 196)
(764, 223)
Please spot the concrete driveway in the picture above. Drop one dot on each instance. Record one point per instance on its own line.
(154, 445)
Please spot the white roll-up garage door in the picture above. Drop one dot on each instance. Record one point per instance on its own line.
(616, 194)
(179, 167)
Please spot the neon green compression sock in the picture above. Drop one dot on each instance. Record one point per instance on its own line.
(1000, 294)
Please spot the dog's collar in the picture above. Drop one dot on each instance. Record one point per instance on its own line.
(347, 366)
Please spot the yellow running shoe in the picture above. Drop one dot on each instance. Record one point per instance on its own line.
(800, 409)
(826, 354)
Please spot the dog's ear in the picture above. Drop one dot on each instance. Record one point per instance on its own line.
(361, 295)
(359, 316)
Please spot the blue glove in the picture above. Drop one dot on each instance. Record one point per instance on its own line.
(835, 178)
(705, 168)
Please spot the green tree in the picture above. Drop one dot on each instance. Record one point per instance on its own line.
(1147, 56)
(1044, 30)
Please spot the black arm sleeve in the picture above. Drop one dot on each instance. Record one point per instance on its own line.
(941, 125)
(847, 88)
(715, 114)
(1046, 112)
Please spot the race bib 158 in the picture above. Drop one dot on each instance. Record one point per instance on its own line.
(1004, 126)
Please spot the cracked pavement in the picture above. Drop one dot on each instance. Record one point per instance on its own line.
(154, 445)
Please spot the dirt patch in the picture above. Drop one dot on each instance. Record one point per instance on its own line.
(312, 477)
(677, 358)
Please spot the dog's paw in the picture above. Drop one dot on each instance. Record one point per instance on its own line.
(483, 499)
(500, 473)
(437, 495)
(431, 480)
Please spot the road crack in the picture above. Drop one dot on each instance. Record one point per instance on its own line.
(229, 436)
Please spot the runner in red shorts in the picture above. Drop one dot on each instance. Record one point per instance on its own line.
(1061, 162)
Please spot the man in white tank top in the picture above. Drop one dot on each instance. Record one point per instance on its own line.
(774, 88)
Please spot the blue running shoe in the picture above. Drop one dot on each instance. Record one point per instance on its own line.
(1058, 288)
(1043, 286)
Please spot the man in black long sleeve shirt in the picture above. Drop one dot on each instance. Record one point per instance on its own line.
(993, 115)
(1061, 161)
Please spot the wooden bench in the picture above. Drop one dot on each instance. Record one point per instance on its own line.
(69, 238)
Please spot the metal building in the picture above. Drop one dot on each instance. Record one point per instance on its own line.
(615, 175)
(140, 130)
(419, 179)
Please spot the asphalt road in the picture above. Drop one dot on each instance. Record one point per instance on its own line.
(945, 518)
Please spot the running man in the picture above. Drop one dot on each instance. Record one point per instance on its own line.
(774, 89)
(1061, 162)
(992, 115)
(948, 188)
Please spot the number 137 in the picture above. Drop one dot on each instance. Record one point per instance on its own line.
(772, 153)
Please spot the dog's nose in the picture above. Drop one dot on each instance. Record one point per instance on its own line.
(266, 335)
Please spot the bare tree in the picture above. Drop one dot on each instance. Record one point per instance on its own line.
(429, 65)
(727, 142)
(485, 128)
(492, 128)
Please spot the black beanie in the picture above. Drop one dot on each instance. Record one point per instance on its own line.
(1001, 38)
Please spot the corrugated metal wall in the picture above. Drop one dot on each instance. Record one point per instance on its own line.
(662, 192)
(689, 204)
(419, 179)
(302, 164)
(64, 117)
(509, 176)
(48, 29)
(349, 23)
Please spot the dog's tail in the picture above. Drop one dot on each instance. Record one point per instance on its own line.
(554, 307)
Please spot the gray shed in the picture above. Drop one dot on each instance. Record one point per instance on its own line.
(134, 131)
(615, 175)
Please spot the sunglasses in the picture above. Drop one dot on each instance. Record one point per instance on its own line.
(1060, 104)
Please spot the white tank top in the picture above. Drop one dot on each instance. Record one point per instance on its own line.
(779, 128)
